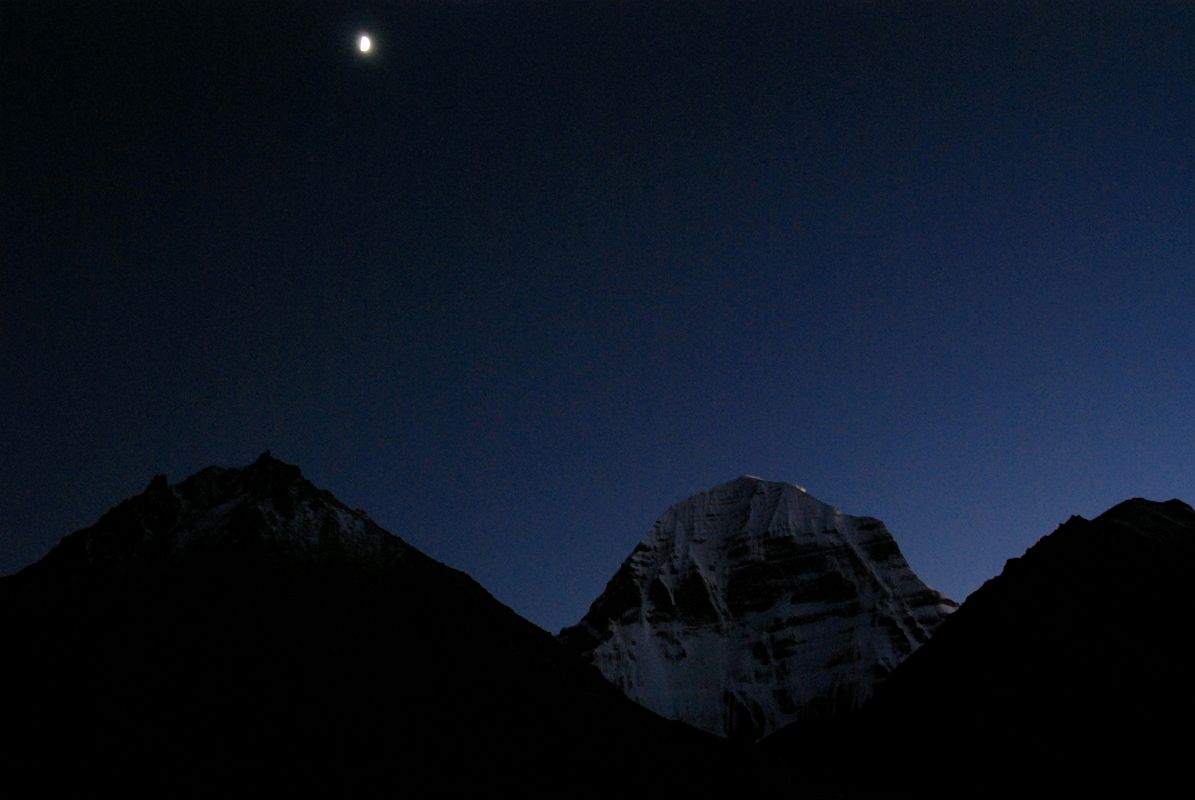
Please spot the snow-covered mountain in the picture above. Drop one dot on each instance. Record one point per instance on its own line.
(752, 605)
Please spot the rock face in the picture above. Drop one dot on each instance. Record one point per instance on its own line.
(754, 604)
(243, 631)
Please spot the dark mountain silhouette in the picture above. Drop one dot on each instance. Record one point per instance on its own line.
(243, 631)
(1071, 667)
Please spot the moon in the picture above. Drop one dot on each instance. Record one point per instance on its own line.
(364, 43)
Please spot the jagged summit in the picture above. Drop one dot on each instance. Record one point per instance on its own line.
(753, 604)
(265, 507)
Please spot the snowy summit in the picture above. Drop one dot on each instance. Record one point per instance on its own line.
(752, 605)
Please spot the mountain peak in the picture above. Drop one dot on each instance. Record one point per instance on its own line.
(1148, 515)
(747, 480)
(264, 507)
(244, 628)
(753, 604)
(748, 509)
(267, 465)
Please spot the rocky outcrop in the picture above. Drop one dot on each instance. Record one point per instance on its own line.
(754, 604)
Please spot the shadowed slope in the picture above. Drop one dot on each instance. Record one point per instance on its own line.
(1071, 666)
(243, 630)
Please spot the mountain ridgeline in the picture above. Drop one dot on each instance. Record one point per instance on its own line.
(243, 631)
(1071, 667)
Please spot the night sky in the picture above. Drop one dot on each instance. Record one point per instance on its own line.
(527, 275)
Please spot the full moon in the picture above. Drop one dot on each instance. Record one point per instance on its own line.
(364, 43)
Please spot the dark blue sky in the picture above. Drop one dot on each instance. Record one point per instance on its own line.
(529, 275)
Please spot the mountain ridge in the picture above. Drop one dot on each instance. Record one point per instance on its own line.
(1070, 666)
(267, 496)
(243, 630)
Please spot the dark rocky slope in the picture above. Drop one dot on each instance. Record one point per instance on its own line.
(1071, 667)
(243, 631)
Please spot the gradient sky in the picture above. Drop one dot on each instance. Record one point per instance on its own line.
(529, 274)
